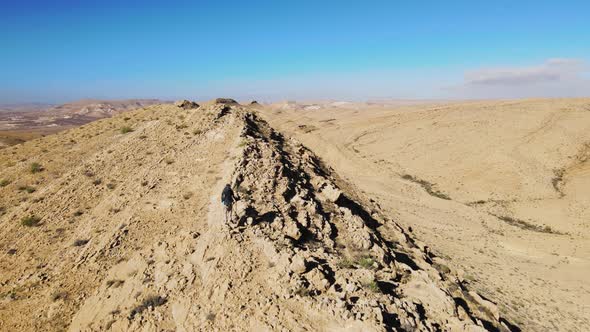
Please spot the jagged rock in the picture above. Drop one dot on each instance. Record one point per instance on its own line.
(323, 249)
(241, 207)
(318, 280)
(351, 287)
(298, 265)
(186, 104)
(292, 230)
(487, 307)
(330, 192)
(303, 218)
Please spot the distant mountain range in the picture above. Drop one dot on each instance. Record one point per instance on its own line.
(36, 115)
(22, 122)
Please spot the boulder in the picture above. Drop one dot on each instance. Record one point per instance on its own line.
(330, 192)
(292, 230)
(298, 265)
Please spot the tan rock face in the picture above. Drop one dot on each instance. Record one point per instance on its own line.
(303, 251)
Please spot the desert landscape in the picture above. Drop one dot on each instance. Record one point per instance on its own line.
(295, 166)
(499, 188)
(117, 225)
(23, 122)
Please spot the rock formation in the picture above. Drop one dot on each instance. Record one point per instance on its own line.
(186, 104)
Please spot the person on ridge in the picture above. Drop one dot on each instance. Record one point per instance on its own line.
(227, 199)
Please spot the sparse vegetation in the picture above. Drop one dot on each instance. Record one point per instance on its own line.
(115, 283)
(96, 182)
(4, 182)
(557, 180)
(28, 189)
(372, 286)
(429, 187)
(302, 292)
(169, 161)
(527, 226)
(366, 262)
(80, 242)
(211, 317)
(345, 263)
(59, 296)
(35, 168)
(78, 213)
(31, 221)
(149, 302)
(126, 129)
(111, 185)
(197, 132)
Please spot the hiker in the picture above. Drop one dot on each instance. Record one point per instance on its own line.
(228, 198)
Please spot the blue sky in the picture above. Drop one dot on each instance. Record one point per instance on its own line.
(54, 51)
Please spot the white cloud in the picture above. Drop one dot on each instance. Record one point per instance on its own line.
(550, 71)
(558, 77)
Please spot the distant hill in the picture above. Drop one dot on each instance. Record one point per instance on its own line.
(22, 122)
(27, 107)
(101, 108)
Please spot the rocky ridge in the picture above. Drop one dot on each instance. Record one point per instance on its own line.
(151, 251)
(357, 263)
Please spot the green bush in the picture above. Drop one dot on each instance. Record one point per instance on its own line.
(31, 221)
(373, 286)
(35, 168)
(126, 129)
(366, 262)
(4, 182)
(28, 189)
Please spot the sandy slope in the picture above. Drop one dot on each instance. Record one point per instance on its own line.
(130, 236)
(499, 188)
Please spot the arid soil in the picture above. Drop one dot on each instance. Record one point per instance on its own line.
(117, 225)
(498, 188)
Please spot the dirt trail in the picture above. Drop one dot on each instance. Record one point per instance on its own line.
(131, 236)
